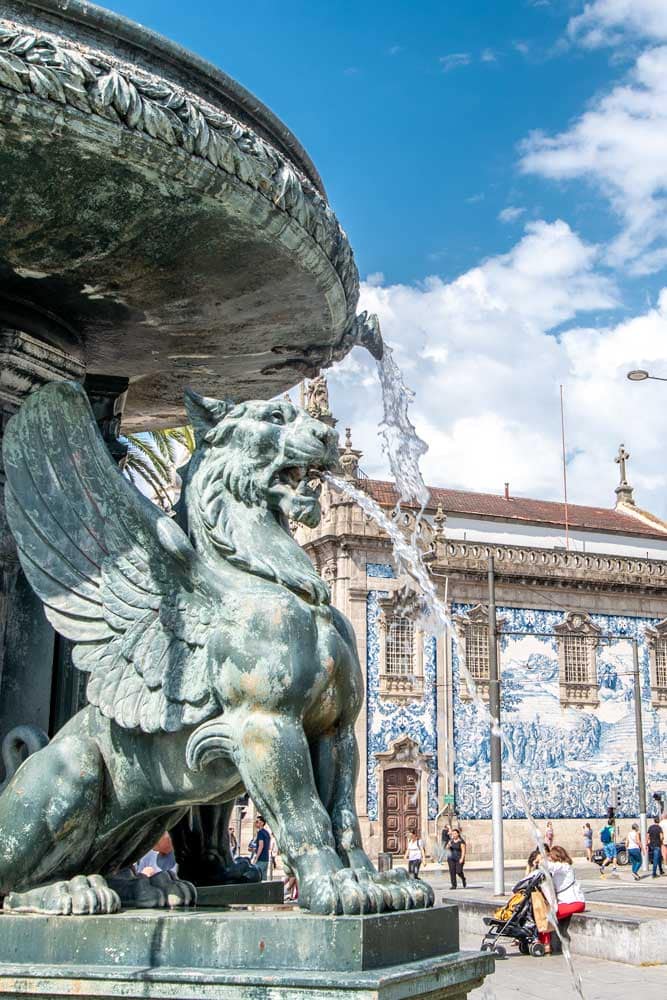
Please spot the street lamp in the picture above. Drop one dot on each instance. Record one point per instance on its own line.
(640, 375)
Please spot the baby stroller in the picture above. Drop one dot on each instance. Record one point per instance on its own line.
(515, 920)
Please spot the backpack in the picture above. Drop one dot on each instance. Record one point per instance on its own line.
(605, 835)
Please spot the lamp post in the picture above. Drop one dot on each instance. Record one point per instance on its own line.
(640, 375)
(641, 766)
(496, 747)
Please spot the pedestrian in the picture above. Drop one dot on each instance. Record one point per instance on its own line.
(445, 837)
(654, 841)
(233, 843)
(634, 846)
(160, 859)
(414, 853)
(663, 827)
(569, 894)
(608, 841)
(457, 857)
(588, 841)
(549, 836)
(260, 846)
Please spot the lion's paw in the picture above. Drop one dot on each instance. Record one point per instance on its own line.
(154, 892)
(80, 895)
(401, 892)
(344, 891)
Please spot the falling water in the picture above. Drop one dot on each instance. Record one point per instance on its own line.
(404, 450)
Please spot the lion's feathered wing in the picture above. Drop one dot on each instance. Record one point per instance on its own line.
(116, 576)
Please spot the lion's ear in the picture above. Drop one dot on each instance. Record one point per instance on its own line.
(204, 413)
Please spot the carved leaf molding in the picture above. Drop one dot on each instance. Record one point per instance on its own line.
(41, 65)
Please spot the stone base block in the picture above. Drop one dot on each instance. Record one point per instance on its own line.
(243, 894)
(266, 955)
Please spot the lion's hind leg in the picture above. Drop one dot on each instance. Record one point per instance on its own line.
(48, 821)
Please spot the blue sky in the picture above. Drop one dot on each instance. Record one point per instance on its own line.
(501, 169)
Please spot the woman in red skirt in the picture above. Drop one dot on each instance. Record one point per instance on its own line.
(569, 894)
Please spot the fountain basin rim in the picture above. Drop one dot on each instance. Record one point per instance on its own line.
(255, 113)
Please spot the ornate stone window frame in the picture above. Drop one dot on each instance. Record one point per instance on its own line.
(402, 603)
(405, 752)
(477, 617)
(578, 624)
(656, 639)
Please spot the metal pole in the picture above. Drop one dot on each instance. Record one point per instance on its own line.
(641, 767)
(496, 747)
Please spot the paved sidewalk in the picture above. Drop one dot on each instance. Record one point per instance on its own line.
(521, 977)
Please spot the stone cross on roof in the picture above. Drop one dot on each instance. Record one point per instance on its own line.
(624, 492)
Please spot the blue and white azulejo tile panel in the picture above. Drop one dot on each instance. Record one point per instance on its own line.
(567, 759)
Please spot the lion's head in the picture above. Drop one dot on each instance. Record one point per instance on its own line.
(267, 457)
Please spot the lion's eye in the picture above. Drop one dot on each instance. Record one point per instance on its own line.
(277, 417)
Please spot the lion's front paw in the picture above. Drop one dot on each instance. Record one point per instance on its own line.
(343, 891)
(156, 892)
(401, 892)
(80, 895)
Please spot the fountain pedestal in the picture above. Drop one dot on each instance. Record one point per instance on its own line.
(233, 956)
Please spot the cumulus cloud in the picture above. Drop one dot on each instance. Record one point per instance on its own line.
(485, 364)
(619, 145)
(607, 22)
(488, 55)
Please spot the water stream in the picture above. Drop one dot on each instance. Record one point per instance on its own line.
(404, 449)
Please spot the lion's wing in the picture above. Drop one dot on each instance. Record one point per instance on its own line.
(116, 576)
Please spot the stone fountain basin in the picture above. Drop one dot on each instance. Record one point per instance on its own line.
(156, 220)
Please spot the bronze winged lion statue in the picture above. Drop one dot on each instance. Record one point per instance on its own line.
(216, 662)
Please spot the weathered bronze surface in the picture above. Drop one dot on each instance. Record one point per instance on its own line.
(158, 222)
(216, 662)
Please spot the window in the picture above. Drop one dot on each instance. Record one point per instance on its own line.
(656, 639)
(401, 652)
(661, 663)
(477, 652)
(400, 642)
(577, 659)
(473, 648)
(577, 638)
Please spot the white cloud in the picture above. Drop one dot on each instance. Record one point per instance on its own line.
(376, 278)
(454, 61)
(620, 145)
(607, 22)
(488, 56)
(522, 47)
(486, 373)
(511, 213)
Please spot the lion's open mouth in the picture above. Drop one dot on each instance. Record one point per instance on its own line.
(294, 492)
(297, 480)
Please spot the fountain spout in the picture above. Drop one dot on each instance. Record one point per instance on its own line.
(364, 331)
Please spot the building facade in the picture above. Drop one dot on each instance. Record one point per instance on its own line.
(573, 590)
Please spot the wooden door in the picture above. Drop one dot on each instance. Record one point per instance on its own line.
(401, 807)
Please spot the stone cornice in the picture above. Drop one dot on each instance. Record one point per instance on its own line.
(518, 563)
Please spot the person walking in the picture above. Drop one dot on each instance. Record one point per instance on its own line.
(549, 836)
(260, 847)
(608, 841)
(654, 841)
(457, 857)
(634, 846)
(414, 853)
(587, 832)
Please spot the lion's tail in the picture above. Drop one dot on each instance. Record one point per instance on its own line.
(19, 743)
